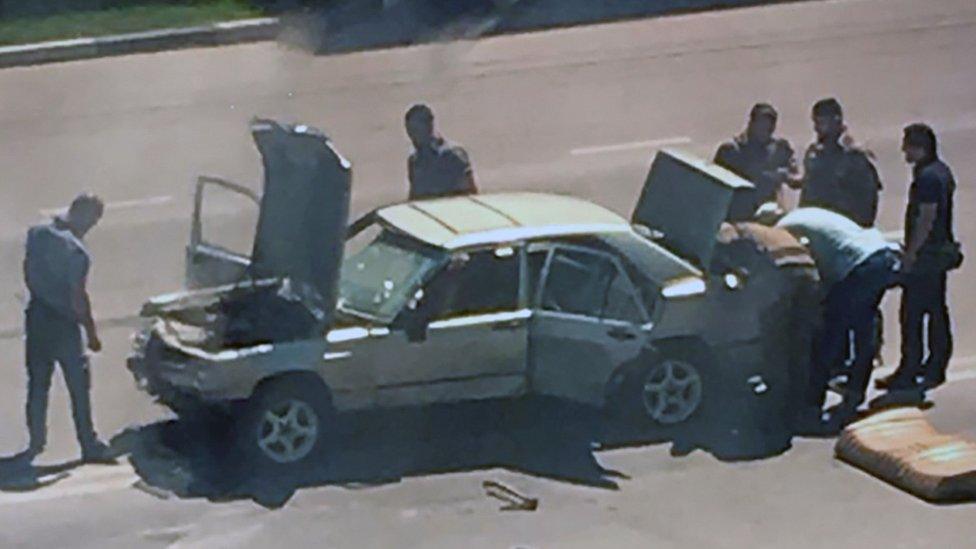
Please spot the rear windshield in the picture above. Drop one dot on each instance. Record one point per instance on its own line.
(378, 280)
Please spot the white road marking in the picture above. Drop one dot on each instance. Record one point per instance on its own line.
(118, 205)
(633, 145)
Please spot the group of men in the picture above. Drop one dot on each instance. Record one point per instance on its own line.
(838, 205)
(839, 194)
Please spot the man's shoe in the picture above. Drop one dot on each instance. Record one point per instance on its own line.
(929, 383)
(840, 415)
(895, 382)
(98, 452)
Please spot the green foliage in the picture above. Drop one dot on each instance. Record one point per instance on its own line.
(84, 18)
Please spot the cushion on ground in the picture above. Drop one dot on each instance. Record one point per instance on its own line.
(900, 447)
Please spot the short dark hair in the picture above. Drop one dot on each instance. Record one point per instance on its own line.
(922, 135)
(87, 202)
(763, 110)
(419, 110)
(828, 107)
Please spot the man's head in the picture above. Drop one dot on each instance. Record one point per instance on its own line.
(828, 120)
(762, 123)
(420, 125)
(84, 213)
(919, 143)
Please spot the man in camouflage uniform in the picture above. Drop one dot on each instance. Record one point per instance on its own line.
(437, 167)
(838, 175)
(758, 156)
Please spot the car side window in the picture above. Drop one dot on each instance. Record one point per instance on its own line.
(588, 284)
(620, 304)
(476, 283)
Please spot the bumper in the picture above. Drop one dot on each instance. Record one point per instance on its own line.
(168, 383)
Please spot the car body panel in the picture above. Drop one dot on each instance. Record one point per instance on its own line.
(399, 369)
(466, 221)
(304, 207)
(572, 354)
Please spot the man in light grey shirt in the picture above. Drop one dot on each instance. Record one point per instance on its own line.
(857, 266)
(56, 265)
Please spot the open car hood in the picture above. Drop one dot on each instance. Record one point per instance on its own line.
(685, 200)
(304, 209)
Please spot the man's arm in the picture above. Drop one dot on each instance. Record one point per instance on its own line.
(927, 212)
(466, 181)
(412, 185)
(795, 179)
(786, 173)
(83, 312)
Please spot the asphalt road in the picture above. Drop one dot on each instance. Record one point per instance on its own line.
(577, 111)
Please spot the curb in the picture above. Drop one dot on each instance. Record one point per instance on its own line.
(217, 34)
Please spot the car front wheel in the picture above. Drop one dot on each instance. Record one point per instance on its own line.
(670, 391)
(285, 425)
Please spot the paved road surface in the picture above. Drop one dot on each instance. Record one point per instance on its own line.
(575, 110)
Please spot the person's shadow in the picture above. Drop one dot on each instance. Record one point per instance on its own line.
(18, 474)
(538, 437)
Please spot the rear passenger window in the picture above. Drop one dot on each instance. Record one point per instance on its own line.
(588, 284)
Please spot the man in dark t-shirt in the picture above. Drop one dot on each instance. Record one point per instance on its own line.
(760, 157)
(56, 265)
(928, 234)
(437, 168)
(838, 175)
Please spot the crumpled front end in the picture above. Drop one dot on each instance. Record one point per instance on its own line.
(191, 351)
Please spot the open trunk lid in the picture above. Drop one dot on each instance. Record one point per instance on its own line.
(686, 199)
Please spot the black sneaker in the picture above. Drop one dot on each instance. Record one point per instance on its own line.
(841, 415)
(99, 453)
(929, 383)
(895, 382)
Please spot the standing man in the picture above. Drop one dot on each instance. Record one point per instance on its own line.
(930, 251)
(436, 168)
(856, 266)
(761, 158)
(838, 176)
(56, 268)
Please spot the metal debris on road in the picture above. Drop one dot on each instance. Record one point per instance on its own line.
(514, 501)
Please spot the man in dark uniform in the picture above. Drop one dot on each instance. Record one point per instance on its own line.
(838, 176)
(759, 157)
(436, 168)
(56, 266)
(929, 240)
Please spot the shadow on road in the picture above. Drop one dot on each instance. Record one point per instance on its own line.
(546, 439)
(17, 474)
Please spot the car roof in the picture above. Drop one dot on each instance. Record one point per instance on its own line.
(484, 219)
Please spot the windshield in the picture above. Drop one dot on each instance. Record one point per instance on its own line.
(378, 280)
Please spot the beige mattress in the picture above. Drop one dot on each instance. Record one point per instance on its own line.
(900, 447)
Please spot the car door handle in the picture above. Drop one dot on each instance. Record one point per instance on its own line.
(621, 334)
(508, 325)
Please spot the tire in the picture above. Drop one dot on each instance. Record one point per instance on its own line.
(671, 392)
(285, 426)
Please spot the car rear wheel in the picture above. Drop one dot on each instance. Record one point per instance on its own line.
(285, 425)
(670, 391)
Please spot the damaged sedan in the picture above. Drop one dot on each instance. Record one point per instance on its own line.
(497, 296)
